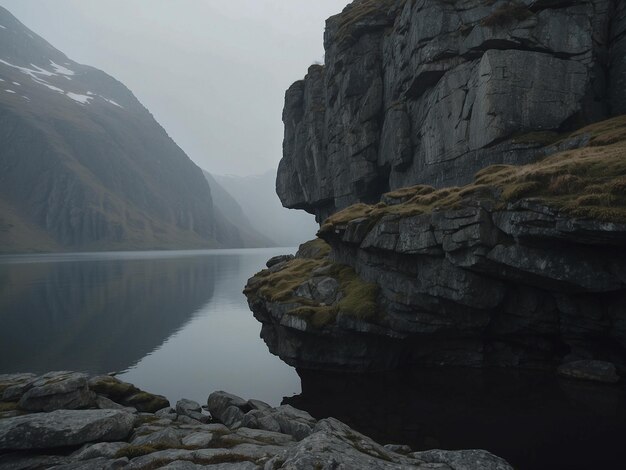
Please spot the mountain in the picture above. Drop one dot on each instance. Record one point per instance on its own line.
(257, 197)
(84, 165)
(230, 216)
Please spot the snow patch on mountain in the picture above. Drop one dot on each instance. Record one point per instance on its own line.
(61, 70)
(82, 99)
(2, 27)
(112, 102)
(10, 91)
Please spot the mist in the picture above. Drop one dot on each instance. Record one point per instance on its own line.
(213, 73)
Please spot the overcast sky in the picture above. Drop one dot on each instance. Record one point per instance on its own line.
(212, 72)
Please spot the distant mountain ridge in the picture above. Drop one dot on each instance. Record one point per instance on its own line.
(230, 214)
(85, 166)
(256, 195)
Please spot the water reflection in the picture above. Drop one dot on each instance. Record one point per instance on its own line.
(177, 323)
(534, 420)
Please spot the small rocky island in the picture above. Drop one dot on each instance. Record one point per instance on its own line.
(69, 420)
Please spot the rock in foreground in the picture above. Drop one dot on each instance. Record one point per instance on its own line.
(240, 435)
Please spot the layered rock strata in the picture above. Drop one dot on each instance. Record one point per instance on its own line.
(526, 267)
(239, 434)
(431, 91)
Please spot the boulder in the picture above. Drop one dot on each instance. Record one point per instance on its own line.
(58, 390)
(278, 259)
(64, 428)
(127, 394)
(191, 409)
(224, 407)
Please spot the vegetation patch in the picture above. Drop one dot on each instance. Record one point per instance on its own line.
(507, 14)
(7, 406)
(132, 452)
(358, 298)
(588, 182)
(314, 249)
(357, 12)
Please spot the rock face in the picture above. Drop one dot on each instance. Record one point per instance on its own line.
(113, 439)
(432, 91)
(521, 287)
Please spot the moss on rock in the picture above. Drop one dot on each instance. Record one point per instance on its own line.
(587, 182)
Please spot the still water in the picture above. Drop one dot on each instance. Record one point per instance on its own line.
(174, 323)
(177, 323)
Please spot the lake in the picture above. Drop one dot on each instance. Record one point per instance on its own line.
(173, 323)
(177, 323)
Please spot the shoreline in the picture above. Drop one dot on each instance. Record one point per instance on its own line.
(69, 420)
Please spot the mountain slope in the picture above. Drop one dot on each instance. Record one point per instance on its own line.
(230, 214)
(257, 197)
(83, 165)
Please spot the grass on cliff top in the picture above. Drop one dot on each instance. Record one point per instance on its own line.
(588, 182)
(358, 11)
(358, 297)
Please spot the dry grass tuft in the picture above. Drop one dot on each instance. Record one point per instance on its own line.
(588, 182)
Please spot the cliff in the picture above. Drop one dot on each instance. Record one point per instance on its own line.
(502, 241)
(431, 91)
(84, 165)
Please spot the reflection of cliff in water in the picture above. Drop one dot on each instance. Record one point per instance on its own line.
(98, 316)
(534, 420)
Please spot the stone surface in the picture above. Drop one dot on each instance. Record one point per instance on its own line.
(63, 428)
(275, 438)
(164, 438)
(597, 371)
(57, 390)
(127, 394)
(433, 91)
(516, 286)
(100, 449)
(277, 260)
(191, 409)
(463, 460)
(227, 408)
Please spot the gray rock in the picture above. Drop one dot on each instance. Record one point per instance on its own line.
(258, 405)
(198, 439)
(431, 92)
(57, 390)
(164, 438)
(278, 259)
(95, 464)
(167, 412)
(398, 448)
(220, 402)
(192, 410)
(20, 461)
(127, 394)
(12, 386)
(222, 466)
(335, 445)
(104, 403)
(464, 459)
(64, 428)
(267, 437)
(100, 449)
(597, 371)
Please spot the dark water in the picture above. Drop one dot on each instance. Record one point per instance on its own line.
(177, 324)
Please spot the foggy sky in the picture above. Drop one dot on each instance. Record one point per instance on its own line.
(212, 72)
